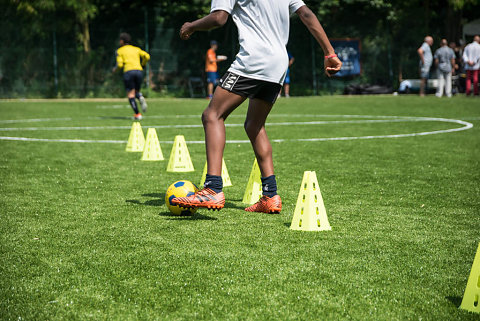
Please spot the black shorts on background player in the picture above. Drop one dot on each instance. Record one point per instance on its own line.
(251, 88)
(133, 79)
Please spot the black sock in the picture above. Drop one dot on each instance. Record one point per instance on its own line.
(133, 103)
(269, 186)
(138, 95)
(215, 183)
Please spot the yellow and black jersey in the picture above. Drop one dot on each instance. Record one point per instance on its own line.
(131, 58)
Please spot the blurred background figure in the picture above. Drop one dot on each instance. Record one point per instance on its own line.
(132, 60)
(471, 58)
(211, 67)
(445, 62)
(426, 60)
(286, 83)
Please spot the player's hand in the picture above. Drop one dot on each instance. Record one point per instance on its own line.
(186, 31)
(332, 66)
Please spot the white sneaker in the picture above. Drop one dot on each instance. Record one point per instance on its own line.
(143, 103)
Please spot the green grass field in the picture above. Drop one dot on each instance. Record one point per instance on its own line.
(85, 234)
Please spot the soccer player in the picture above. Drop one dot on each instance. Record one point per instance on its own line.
(211, 68)
(132, 59)
(257, 73)
(286, 83)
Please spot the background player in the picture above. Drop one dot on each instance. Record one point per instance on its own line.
(132, 59)
(211, 67)
(286, 83)
(257, 73)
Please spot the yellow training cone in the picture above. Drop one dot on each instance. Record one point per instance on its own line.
(152, 150)
(136, 140)
(471, 297)
(253, 192)
(180, 160)
(225, 177)
(310, 214)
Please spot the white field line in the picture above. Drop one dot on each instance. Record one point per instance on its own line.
(466, 126)
(324, 122)
(12, 121)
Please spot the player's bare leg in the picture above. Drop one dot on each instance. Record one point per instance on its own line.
(133, 104)
(258, 111)
(287, 90)
(210, 89)
(213, 118)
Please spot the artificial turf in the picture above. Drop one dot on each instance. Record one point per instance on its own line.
(85, 234)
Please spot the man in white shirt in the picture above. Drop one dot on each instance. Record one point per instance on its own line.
(471, 57)
(257, 73)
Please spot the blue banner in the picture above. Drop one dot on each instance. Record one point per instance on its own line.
(349, 53)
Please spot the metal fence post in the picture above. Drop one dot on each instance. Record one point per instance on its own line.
(147, 49)
(314, 67)
(55, 62)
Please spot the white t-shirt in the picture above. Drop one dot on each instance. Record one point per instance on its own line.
(263, 29)
(472, 53)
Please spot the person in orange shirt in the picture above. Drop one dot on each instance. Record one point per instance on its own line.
(211, 67)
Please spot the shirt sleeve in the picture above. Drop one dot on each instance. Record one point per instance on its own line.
(424, 47)
(225, 5)
(465, 54)
(435, 56)
(145, 57)
(452, 54)
(119, 60)
(295, 5)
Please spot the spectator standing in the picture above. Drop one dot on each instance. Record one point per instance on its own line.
(471, 58)
(426, 60)
(211, 68)
(445, 62)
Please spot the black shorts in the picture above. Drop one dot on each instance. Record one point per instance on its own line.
(251, 88)
(133, 79)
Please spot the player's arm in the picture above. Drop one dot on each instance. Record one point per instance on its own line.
(144, 57)
(214, 20)
(309, 19)
(454, 65)
(291, 61)
(120, 62)
(420, 54)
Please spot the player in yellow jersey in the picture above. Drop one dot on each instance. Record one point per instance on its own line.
(132, 60)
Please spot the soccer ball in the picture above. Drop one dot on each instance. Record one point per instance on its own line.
(180, 189)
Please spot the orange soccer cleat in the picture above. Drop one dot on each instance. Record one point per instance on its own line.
(204, 198)
(270, 205)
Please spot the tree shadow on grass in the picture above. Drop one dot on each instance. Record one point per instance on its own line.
(456, 300)
(194, 217)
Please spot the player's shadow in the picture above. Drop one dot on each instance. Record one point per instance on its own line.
(456, 300)
(155, 202)
(194, 217)
(159, 200)
(233, 205)
(114, 117)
